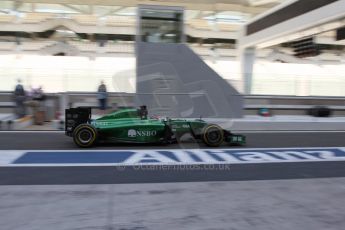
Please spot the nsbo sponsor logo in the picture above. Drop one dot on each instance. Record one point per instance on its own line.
(132, 133)
(139, 133)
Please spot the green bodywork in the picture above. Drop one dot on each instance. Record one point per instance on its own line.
(128, 126)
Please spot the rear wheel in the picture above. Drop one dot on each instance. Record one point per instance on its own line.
(85, 135)
(213, 135)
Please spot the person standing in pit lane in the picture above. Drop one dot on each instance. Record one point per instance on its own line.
(19, 96)
(102, 96)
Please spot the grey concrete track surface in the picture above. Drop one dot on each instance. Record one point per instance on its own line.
(237, 205)
(57, 140)
(55, 175)
(108, 175)
(260, 205)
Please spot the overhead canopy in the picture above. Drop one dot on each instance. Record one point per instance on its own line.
(292, 20)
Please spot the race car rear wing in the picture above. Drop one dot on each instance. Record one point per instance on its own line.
(75, 117)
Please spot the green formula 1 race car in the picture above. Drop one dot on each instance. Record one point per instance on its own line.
(133, 126)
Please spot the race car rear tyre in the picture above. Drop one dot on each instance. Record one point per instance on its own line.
(213, 135)
(85, 135)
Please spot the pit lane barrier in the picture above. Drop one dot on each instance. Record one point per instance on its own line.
(12, 123)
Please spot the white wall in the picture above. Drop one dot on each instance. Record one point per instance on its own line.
(58, 74)
(299, 79)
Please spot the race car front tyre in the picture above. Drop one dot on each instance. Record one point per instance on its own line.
(213, 135)
(85, 135)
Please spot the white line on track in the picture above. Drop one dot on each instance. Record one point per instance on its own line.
(168, 149)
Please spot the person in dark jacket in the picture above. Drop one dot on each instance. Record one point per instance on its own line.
(102, 96)
(19, 98)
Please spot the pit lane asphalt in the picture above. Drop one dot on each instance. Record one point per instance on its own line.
(48, 175)
(58, 141)
(252, 196)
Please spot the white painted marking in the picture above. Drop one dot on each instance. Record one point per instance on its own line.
(292, 155)
(167, 149)
(193, 156)
(256, 157)
(148, 155)
(222, 155)
(8, 156)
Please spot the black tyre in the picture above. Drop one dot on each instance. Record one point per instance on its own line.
(85, 135)
(213, 135)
